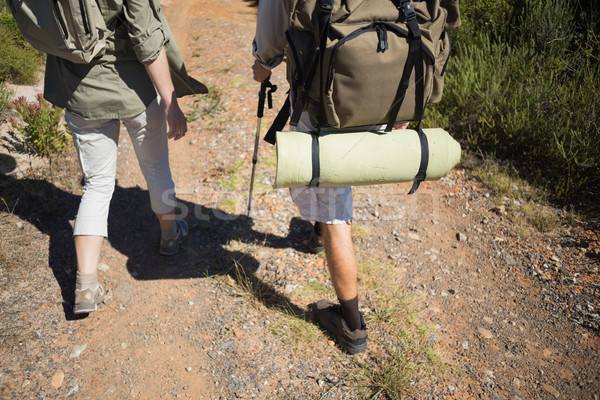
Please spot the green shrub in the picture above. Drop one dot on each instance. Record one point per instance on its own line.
(530, 95)
(5, 97)
(19, 62)
(42, 127)
(490, 16)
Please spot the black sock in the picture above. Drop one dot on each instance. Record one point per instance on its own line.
(317, 228)
(350, 313)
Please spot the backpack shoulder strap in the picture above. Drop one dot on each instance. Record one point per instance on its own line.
(325, 11)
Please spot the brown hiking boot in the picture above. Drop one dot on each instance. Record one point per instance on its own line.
(87, 300)
(315, 241)
(329, 316)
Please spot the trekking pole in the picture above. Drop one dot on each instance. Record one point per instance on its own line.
(259, 114)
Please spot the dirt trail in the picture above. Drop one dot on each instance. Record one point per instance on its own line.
(516, 316)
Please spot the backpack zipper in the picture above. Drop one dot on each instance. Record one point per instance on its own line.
(382, 36)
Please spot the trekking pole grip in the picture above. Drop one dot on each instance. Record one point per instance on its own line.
(261, 97)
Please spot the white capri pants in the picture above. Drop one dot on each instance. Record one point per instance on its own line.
(96, 143)
(326, 204)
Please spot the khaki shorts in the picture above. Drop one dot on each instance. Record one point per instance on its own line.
(330, 205)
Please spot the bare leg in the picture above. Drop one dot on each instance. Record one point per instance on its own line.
(167, 224)
(88, 253)
(341, 260)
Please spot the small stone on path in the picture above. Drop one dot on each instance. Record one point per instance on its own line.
(487, 334)
(551, 390)
(77, 350)
(73, 387)
(414, 236)
(57, 379)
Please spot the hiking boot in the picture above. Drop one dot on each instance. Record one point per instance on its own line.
(170, 247)
(87, 300)
(329, 316)
(315, 241)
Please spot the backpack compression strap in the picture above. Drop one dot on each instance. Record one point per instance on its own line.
(316, 161)
(414, 50)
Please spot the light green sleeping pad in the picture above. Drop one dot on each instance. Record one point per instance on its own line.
(363, 158)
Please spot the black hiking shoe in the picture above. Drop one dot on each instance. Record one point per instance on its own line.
(315, 241)
(329, 316)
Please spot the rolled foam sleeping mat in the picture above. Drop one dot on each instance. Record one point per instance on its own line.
(363, 158)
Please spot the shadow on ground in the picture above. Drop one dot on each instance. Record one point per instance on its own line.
(252, 3)
(134, 232)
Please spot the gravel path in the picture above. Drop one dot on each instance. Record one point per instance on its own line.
(513, 314)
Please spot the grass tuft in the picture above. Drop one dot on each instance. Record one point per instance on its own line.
(360, 230)
(401, 357)
(526, 206)
(210, 106)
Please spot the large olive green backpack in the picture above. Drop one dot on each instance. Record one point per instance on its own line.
(70, 29)
(366, 62)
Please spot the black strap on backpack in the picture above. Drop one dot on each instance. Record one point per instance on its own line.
(412, 62)
(324, 18)
(279, 122)
(414, 49)
(325, 11)
(316, 160)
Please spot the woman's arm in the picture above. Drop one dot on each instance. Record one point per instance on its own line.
(158, 70)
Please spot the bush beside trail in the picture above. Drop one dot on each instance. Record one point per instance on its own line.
(524, 86)
(19, 62)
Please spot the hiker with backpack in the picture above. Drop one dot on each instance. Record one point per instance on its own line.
(329, 207)
(352, 66)
(113, 67)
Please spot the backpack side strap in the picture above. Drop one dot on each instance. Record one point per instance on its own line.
(421, 174)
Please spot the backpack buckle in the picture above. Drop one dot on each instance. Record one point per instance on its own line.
(327, 5)
(408, 10)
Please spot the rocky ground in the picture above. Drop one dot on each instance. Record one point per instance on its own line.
(513, 313)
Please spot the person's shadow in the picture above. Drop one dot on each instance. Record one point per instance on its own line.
(134, 231)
